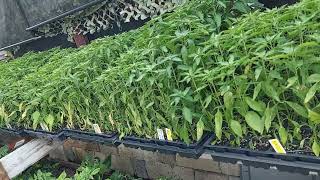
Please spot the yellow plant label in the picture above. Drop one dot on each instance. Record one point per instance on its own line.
(275, 143)
(96, 128)
(160, 134)
(169, 134)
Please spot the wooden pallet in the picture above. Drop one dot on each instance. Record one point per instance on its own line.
(22, 158)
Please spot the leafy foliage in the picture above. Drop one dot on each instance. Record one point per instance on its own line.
(4, 150)
(196, 69)
(90, 169)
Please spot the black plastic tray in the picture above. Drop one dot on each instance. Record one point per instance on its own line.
(61, 135)
(55, 136)
(10, 132)
(193, 150)
(109, 139)
(303, 164)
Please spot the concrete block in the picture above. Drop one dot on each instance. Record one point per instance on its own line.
(137, 153)
(82, 145)
(108, 150)
(124, 151)
(130, 152)
(100, 156)
(204, 163)
(166, 158)
(204, 175)
(183, 173)
(156, 170)
(81, 154)
(149, 156)
(122, 164)
(140, 169)
(206, 156)
(58, 154)
(234, 178)
(230, 169)
(68, 151)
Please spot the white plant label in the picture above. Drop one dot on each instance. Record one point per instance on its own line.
(19, 143)
(96, 128)
(160, 134)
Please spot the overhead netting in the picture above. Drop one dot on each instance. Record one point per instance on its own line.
(107, 14)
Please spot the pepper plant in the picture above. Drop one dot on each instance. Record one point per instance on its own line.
(217, 66)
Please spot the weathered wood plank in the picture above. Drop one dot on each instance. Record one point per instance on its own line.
(19, 160)
(3, 174)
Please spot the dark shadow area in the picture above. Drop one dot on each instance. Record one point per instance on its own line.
(43, 44)
(251, 173)
(47, 43)
(124, 27)
(277, 3)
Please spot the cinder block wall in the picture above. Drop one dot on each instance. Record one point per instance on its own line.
(151, 165)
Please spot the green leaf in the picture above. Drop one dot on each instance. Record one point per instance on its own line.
(314, 78)
(222, 4)
(187, 114)
(149, 105)
(297, 133)
(49, 120)
(255, 105)
(217, 19)
(35, 118)
(185, 134)
(228, 100)
(314, 116)
(256, 91)
(312, 91)
(291, 81)
(254, 121)
(275, 75)
(242, 107)
(270, 90)
(63, 176)
(241, 6)
(316, 148)
(207, 101)
(257, 72)
(184, 53)
(298, 109)
(283, 135)
(200, 128)
(236, 128)
(218, 124)
(268, 117)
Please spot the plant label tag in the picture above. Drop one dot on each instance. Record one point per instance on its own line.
(275, 143)
(96, 128)
(169, 134)
(160, 134)
(19, 143)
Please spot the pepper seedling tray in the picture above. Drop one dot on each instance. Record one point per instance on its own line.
(298, 163)
(193, 150)
(108, 139)
(10, 132)
(63, 134)
(41, 134)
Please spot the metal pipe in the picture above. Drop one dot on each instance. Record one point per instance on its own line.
(20, 43)
(65, 14)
